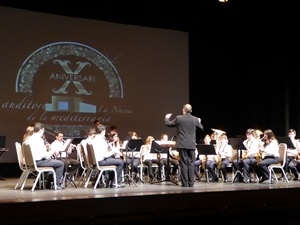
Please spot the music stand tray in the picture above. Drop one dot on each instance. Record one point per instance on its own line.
(287, 141)
(204, 149)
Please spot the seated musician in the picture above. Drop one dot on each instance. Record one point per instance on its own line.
(62, 152)
(249, 156)
(292, 160)
(132, 158)
(200, 159)
(149, 158)
(221, 159)
(269, 151)
(173, 160)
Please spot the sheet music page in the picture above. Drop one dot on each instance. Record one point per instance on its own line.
(66, 144)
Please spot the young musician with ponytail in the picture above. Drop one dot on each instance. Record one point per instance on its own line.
(269, 149)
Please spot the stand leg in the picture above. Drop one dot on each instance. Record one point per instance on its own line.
(235, 174)
(167, 175)
(129, 180)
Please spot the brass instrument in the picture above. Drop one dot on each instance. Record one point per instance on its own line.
(175, 154)
(203, 164)
(219, 162)
(218, 133)
(244, 154)
(258, 157)
(258, 133)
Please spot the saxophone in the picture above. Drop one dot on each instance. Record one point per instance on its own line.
(219, 162)
(244, 154)
(258, 157)
(203, 163)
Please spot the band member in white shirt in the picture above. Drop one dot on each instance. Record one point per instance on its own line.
(269, 150)
(62, 151)
(224, 152)
(292, 160)
(42, 155)
(249, 155)
(107, 155)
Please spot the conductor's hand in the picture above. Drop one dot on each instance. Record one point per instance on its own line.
(168, 115)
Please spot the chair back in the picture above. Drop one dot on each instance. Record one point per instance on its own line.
(91, 155)
(20, 156)
(28, 157)
(81, 156)
(282, 153)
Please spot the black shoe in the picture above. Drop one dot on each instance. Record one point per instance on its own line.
(215, 180)
(225, 181)
(151, 179)
(296, 179)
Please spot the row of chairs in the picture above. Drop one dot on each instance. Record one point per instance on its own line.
(273, 168)
(89, 163)
(85, 158)
(27, 165)
(88, 160)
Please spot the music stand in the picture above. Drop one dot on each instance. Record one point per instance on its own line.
(132, 145)
(160, 146)
(287, 141)
(204, 149)
(237, 143)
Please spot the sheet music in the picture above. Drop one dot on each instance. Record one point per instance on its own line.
(65, 147)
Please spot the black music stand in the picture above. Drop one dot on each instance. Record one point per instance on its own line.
(287, 141)
(237, 143)
(163, 147)
(133, 145)
(206, 150)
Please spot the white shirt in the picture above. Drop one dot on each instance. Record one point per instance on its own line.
(101, 147)
(252, 147)
(272, 149)
(38, 147)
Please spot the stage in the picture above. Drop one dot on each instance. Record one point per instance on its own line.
(147, 203)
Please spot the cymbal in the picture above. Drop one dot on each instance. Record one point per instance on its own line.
(217, 131)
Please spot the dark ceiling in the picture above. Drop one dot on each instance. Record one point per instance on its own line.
(182, 15)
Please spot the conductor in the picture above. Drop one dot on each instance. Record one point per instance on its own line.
(186, 125)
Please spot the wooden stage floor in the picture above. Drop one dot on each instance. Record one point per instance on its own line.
(150, 203)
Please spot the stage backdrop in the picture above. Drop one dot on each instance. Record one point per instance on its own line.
(66, 72)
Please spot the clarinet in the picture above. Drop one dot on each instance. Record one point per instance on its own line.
(47, 144)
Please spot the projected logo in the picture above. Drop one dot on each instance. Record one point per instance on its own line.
(70, 78)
